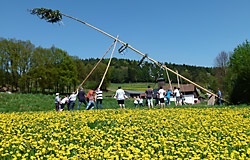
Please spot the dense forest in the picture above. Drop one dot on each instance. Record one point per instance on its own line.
(28, 69)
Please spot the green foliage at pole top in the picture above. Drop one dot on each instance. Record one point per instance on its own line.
(48, 14)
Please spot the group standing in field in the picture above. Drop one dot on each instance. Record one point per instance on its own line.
(95, 98)
(71, 100)
(119, 95)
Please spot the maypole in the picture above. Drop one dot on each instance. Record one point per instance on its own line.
(55, 16)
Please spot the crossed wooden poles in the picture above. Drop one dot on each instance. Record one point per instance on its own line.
(162, 65)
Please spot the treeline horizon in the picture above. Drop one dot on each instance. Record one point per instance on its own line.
(28, 69)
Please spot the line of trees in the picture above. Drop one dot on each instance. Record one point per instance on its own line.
(26, 68)
(233, 73)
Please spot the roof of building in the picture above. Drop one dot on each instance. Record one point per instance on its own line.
(134, 92)
(183, 87)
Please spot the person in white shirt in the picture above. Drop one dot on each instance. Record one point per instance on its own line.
(141, 102)
(120, 96)
(177, 96)
(162, 94)
(63, 102)
(136, 102)
(98, 97)
(72, 98)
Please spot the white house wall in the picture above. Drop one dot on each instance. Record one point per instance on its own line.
(188, 99)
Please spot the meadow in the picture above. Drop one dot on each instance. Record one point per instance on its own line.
(30, 128)
(39, 102)
(171, 133)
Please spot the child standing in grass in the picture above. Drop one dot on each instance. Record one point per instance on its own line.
(141, 102)
(135, 102)
(162, 94)
(168, 97)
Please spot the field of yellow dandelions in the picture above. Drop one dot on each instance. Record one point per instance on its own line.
(173, 133)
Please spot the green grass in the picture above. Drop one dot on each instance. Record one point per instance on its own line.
(38, 102)
(25, 102)
(131, 86)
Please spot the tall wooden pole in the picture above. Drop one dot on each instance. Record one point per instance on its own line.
(108, 64)
(178, 79)
(169, 81)
(198, 86)
(95, 66)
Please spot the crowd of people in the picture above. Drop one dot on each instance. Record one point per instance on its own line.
(82, 98)
(162, 98)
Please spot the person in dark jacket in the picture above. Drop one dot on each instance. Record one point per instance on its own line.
(81, 98)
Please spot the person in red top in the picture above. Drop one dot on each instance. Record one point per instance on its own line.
(91, 97)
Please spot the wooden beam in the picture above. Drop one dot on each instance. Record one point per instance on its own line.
(104, 75)
(94, 67)
(178, 79)
(169, 81)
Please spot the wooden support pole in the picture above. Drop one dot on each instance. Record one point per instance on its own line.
(108, 64)
(156, 82)
(95, 66)
(178, 79)
(169, 81)
(198, 86)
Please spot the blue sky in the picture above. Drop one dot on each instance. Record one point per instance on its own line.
(191, 32)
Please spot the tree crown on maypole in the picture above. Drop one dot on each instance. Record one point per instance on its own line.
(48, 14)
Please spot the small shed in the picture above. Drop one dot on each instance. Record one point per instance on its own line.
(133, 94)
